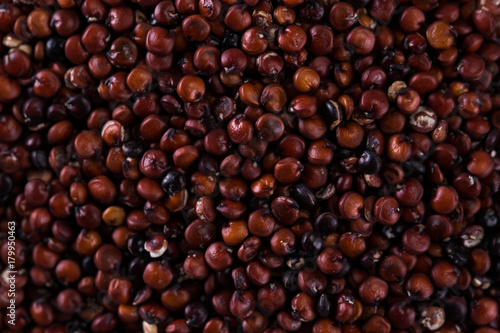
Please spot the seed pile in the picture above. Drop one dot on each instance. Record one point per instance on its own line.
(251, 165)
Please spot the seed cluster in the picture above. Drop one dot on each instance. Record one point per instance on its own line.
(251, 165)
